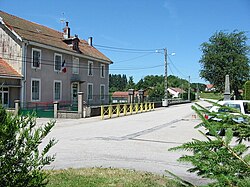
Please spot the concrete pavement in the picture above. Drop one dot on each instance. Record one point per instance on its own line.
(139, 142)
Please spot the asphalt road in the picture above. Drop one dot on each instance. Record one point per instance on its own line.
(139, 142)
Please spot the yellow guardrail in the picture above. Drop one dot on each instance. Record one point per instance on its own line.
(125, 109)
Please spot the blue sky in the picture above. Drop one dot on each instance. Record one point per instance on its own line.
(178, 25)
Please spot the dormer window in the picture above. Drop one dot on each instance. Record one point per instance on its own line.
(36, 58)
(75, 42)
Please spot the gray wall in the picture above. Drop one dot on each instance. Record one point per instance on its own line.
(48, 75)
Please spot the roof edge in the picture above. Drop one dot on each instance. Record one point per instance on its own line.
(66, 51)
(10, 29)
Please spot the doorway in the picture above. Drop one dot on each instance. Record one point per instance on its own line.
(74, 92)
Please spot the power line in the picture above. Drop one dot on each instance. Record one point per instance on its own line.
(176, 68)
(131, 69)
(127, 49)
(43, 62)
(130, 59)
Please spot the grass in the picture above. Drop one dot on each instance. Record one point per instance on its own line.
(102, 177)
(211, 95)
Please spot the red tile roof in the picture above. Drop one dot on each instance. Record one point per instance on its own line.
(179, 90)
(41, 34)
(125, 94)
(120, 94)
(7, 71)
(209, 86)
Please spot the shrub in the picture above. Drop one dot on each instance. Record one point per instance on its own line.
(21, 161)
(216, 158)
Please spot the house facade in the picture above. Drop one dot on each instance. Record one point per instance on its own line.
(53, 66)
(175, 92)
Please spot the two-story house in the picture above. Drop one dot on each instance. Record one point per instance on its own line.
(49, 65)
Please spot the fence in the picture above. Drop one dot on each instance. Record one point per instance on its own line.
(39, 109)
(125, 109)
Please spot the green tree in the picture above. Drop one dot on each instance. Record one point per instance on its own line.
(247, 90)
(117, 82)
(218, 158)
(225, 53)
(156, 93)
(199, 86)
(176, 82)
(131, 84)
(140, 85)
(21, 159)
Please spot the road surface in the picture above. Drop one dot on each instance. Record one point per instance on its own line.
(139, 141)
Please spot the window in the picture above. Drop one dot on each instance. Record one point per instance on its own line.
(102, 71)
(90, 91)
(36, 58)
(75, 69)
(90, 68)
(57, 90)
(35, 89)
(57, 62)
(102, 92)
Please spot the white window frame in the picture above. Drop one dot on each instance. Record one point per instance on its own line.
(90, 84)
(40, 60)
(54, 90)
(57, 54)
(102, 71)
(90, 68)
(40, 88)
(75, 65)
(102, 97)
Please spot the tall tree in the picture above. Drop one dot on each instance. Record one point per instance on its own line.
(117, 82)
(131, 84)
(226, 53)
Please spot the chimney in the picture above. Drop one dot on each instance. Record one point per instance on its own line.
(66, 31)
(90, 41)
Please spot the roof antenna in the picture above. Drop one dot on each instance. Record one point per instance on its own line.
(62, 20)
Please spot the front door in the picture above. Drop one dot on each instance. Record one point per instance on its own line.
(74, 92)
(4, 97)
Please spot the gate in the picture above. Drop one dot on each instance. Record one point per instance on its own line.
(39, 109)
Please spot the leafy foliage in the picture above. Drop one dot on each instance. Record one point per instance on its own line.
(216, 157)
(247, 90)
(117, 82)
(226, 53)
(21, 162)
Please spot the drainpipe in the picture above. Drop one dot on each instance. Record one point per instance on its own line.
(24, 73)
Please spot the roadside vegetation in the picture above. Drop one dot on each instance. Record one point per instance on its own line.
(21, 161)
(102, 177)
(211, 95)
(224, 159)
(226, 54)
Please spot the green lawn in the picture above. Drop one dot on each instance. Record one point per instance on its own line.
(101, 177)
(211, 95)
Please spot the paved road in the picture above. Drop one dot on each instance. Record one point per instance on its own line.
(139, 142)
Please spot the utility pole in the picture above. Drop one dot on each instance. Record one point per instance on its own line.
(166, 76)
(188, 88)
(197, 91)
